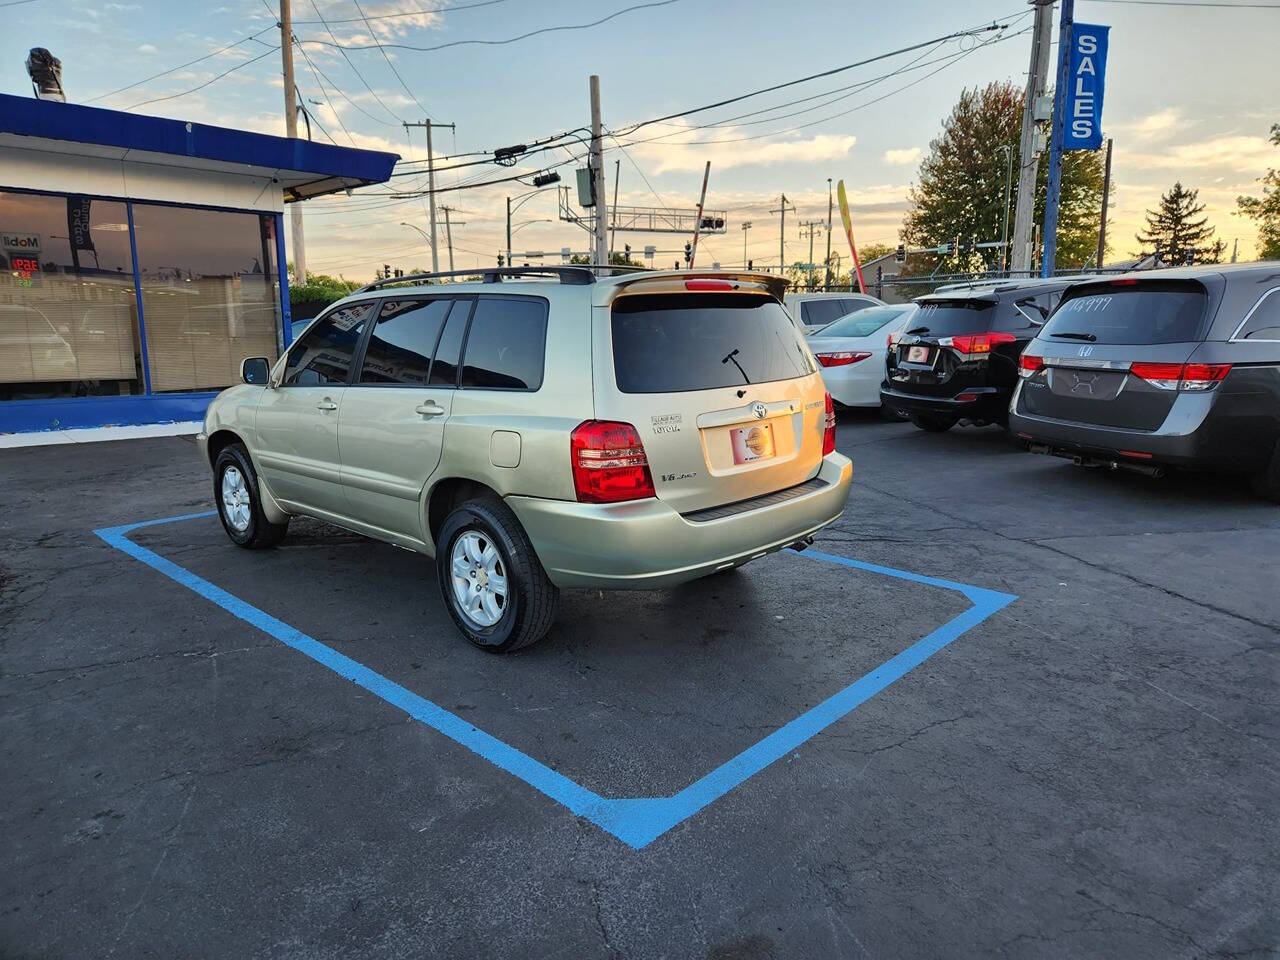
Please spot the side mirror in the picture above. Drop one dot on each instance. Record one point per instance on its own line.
(255, 370)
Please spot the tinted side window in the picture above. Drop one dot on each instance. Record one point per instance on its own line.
(819, 312)
(506, 344)
(854, 304)
(444, 370)
(323, 356)
(403, 340)
(1264, 322)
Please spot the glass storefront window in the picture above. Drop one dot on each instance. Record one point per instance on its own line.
(210, 293)
(68, 317)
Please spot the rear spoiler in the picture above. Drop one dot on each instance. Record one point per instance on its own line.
(672, 282)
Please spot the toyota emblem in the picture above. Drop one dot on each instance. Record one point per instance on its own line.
(760, 410)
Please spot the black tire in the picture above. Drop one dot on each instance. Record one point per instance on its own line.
(1266, 482)
(531, 600)
(260, 533)
(933, 423)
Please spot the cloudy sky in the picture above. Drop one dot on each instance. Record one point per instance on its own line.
(1191, 94)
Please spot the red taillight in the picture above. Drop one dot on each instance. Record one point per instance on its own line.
(978, 342)
(1029, 365)
(609, 463)
(1127, 282)
(708, 285)
(829, 432)
(892, 339)
(841, 358)
(1181, 376)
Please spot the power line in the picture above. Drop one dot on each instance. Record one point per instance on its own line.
(374, 37)
(315, 73)
(354, 68)
(174, 96)
(338, 90)
(1196, 3)
(493, 43)
(164, 73)
(396, 16)
(813, 76)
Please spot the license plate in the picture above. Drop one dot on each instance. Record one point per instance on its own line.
(917, 355)
(752, 443)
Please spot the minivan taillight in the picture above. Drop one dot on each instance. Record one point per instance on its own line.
(829, 432)
(609, 463)
(1181, 376)
(1029, 365)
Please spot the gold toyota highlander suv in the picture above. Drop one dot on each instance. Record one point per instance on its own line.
(540, 430)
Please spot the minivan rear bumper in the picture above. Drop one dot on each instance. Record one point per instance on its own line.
(645, 544)
(1194, 435)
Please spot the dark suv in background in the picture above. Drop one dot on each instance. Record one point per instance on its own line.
(1161, 368)
(958, 360)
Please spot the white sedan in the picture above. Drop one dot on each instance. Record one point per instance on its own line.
(852, 352)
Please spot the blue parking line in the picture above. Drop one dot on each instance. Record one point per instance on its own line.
(636, 821)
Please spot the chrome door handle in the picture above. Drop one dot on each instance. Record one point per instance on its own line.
(429, 409)
(326, 404)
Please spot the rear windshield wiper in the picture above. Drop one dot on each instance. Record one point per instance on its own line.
(1076, 336)
(919, 330)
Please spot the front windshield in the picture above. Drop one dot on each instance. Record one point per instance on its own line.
(863, 323)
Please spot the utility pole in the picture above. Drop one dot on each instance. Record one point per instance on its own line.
(509, 231)
(613, 232)
(448, 232)
(431, 184)
(827, 262)
(1028, 161)
(746, 225)
(782, 234)
(597, 174)
(1054, 193)
(697, 223)
(1008, 186)
(1106, 195)
(291, 130)
(807, 228)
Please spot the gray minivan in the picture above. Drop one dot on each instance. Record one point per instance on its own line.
(1161, 368)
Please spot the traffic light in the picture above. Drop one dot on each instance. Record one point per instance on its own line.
(626, 251)
(688, 252)
(386, 270)
(751, 264)
(500, 259)
(545, 179)
(902, 253)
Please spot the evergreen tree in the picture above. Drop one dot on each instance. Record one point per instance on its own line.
(1266, 209)
(961, 188)
(1174, 231)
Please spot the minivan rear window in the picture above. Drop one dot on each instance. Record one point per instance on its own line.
(671, 343)
(946, 318)
(1142, 313)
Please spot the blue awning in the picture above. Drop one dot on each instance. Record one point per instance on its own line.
(303, 167)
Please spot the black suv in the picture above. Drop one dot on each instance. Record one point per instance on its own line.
(958, 360)
(1161, 368)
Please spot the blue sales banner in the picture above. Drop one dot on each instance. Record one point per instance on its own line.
(1083, 127)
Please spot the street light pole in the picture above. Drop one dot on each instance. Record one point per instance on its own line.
(1054, 197)
(827, 262)
(746, 225)
(508, 231)
(1008, 186)
(421, 233)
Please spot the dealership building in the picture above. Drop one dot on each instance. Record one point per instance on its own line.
(143, 258)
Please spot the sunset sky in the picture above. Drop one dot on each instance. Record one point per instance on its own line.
(1191, 94)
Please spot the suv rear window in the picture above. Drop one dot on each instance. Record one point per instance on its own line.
(676, 342)
(1152, 312)
(946, 318)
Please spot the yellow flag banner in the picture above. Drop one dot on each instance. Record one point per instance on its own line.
(848, 232)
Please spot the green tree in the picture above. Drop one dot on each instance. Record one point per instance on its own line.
(872, 250)
(617, 259)
(1265, 210)
(1177, 232)
(961, 188)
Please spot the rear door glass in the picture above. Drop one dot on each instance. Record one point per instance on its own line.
(402, 341)
(1144, 313)
(947, 318)
(815, 313)
(676, 342)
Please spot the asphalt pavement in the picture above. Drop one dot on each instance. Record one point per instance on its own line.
(193, 768)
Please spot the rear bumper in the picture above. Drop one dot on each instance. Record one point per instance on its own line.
(990, 403)
(645, 544)
(851, 387)
(1192, 436)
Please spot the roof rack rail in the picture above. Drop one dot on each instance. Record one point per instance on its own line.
(579, 274)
